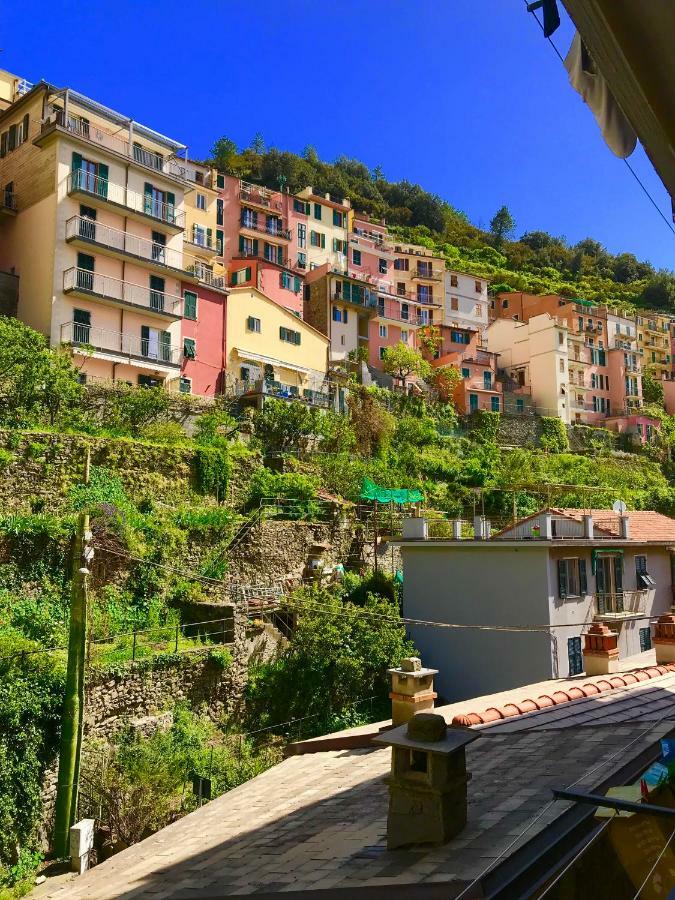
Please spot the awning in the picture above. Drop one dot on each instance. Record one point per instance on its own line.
(400, 496)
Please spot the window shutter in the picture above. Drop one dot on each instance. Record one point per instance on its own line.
(296, 285)
(26, 121)
(147, 198)
(190, 305)
(171, 203)
(562, 579)
(209, 237)
(280, 256)
(145, 340)
(323, 241)
(334, 244)
(81, 317)
(618, 573)
(76, 163)
(102, 180)
(165, 345)
(255, 246)
(241, 243)
(247, 273)
(189, 348)
(583, 580)
(344, 316)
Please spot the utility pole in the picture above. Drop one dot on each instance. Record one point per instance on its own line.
(72, 716)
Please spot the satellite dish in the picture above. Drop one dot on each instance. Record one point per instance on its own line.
(619, 506)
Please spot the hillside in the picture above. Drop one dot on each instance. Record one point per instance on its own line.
(536, 261)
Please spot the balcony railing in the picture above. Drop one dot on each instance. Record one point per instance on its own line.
(95, 186)
(8, 200)
(272, 388)
(428, 274)
(367, 300)
(130, 346)
(266, 228)
(206, 276)
(89, 230)
(620, 605)
(101, 137)
(258, 196)
(86, 282)
(249, 254)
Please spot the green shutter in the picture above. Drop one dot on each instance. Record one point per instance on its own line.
(247, 273)
(189, 348)
(296, 287)
(147, 198)
(241, 244)
(76, 163)
(583, 580)
(255, 246)
(346, 290)
(102, 180)
(86, 262)
(145, 340)
(219, 242)
(157, 283)
(190, 305)
(280, 255)
(323, 241)
(562, 579)
(165, 346)
(209, 237)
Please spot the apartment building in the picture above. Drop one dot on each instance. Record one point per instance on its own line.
(466, 301)
(272, 352)
(322, 226)
(340, 306)
(480, 387)
(653, 341)
(261, 240)
(103, 199)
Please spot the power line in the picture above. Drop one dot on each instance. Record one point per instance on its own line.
(658, 860)
(628, 165)
(577, 856)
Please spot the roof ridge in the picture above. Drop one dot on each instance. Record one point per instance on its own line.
(556, 698)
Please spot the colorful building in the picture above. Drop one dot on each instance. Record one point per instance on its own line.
(272, 352)
(480, 388)
(322, 229)
(653, 340)
(103, 198)
(341, 307)
(260, 240)
(466, 301)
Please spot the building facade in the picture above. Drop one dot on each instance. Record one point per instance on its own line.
(466, 302)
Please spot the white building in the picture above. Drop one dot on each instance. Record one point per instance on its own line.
(553, 575)
(466, 301)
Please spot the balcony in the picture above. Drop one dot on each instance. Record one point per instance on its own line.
(622, 605)
(273, 231)
(368, 301)
(262, 387)
(113, 242)
(393, 314)
(249, 254)
(80, 128)
(204, 275)
(84, 283)
(205, 243)
(7, 203)
(427, 274)
(148, 353)
(106, 193)
(255, 195)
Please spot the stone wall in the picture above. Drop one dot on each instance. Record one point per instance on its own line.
(585, 437)
(43, 466)
(519, 431)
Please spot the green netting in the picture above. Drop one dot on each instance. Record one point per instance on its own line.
(372, 491)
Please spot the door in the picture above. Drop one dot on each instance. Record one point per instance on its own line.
(609, 583)
(87, 223)
(81, 326)
(88, 176)
(574, 656)
(156, 292)
(85, 272)
(159, 246)
(149, 342)
(473, 402)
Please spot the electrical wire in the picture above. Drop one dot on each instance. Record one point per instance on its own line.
(628, 165)
(577, 856)
(658, 860)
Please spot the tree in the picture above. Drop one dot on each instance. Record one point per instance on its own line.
(372, 424)
(652, 388)
(403, 361)
(281, 427)
(502, 226)
(430, 340)
(444, 380)
(378, 173)
(659, 292)
(224, 154)
(258, 144)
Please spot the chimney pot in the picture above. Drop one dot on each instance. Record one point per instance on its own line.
(415, 529)
(624, 525)
(588, 527)
(601, 650)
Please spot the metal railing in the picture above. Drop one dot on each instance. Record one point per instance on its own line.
(124, 242)
(121, 291)
(258, 196)
(428, 274)
(205, 276)
(315, 396)
(100, 136)
(201, 239)
(266, 228)
(8, 199)
(367, 300)
(122, 343)
(622, 603)
(249, 254)
(95, 186)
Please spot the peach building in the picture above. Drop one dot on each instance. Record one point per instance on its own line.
(103, 198)
(340, 306)
(654, 338)
(480, 388)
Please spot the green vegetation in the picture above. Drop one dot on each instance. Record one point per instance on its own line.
(536, 261)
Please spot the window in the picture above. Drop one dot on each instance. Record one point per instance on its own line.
(404, 336)
(505, 304)
(317, 240)
(241, 276)
(339, 218)
(478, 310)
(574, 656)
(340, 247)
(85, 272)
(200, 201)
(356, 257)
(189, 348)
(561, 365)
(300, 206)
(383, 331)
(400, 288)
(302, 260)
(572, 580)
(148, 381)
(253, 324)
(478, 287)
(643, 579)
(302, 235)
(425, 293)
(382, 352)
(81, 326)
(155, 344)
(220, 180)
(220, 215)
(402, 265)
(185, 385)
(337, 314)
(219, 242)
(454, 303)
(561, 338)
(289, 336)
(473, 402)
(190, 305)
(494, 403)
(156, 292)
(520, 404)
(249, 218)
(317, 211)
(453, 281)
(466, 373)
(645, 639)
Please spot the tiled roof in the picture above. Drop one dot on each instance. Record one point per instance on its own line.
(555, 698)
(645, 525)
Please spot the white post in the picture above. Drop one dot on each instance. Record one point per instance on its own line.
(547, 526)
(81, 845)
(478, 532)
(588, 527)
(624, 525)
(457, 530)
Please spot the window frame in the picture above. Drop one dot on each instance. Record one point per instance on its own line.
(200, 201)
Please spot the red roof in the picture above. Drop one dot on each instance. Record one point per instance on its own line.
(645, 525)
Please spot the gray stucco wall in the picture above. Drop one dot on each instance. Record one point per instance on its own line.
(466, 585)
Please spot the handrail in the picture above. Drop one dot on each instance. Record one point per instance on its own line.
(119, 342)
(96, 186)
(123, 291)
(275, 231)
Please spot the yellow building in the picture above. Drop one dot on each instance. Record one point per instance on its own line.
(203, 235)
(323, 228)
(272, 352)
(418, 275)
(93, 226)
(653, 341)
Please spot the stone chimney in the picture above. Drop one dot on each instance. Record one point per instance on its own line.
(624, 527)
(412, 690)
(601, 650)
(664, 639)
(427, 784)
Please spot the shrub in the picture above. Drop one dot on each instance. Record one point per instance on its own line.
(286, 486)
(6, 458)
(213, 470)
(131, 409)
(164, 433)
(554, 435)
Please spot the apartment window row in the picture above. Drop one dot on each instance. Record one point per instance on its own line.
(317, 239)
(15, 135)
(601, 382)
(341, 247)
(473, 403)
(340, 315)
(241, 276)
(460, 337)
(402, 265)
(289, 336)
(290, 282)
(302, 206)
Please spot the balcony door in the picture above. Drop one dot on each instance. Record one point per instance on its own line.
(609, 582)
(87, 223)
(85, 272)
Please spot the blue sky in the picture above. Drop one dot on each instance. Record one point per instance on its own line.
(463, 96)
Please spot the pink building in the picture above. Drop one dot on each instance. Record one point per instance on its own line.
(640, 428)
(260, 240)
(203, 336)
(400, 313)
(479, 388)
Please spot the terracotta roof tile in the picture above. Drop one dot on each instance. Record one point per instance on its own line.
(576, 692)
(645, 525)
